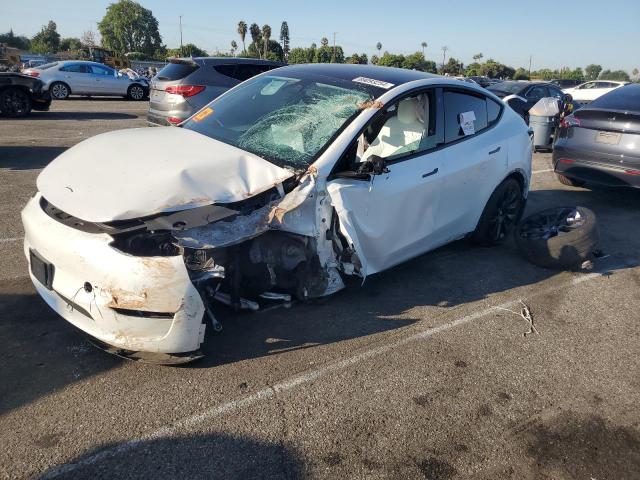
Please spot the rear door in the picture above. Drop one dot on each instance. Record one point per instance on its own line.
(474, 162)
(77, 76)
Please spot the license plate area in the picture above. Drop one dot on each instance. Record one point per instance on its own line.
(609, 138)
(41, 269)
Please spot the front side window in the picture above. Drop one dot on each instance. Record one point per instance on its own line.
(537, 92)
(404, 128)
(285, 120)
(465, 114)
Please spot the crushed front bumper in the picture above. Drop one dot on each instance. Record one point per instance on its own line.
(145, 304)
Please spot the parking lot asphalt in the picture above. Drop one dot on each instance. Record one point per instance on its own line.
(420, 373)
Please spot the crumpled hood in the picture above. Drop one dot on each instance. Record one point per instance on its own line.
(138, 172)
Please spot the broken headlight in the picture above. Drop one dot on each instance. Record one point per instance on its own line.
(146, 244)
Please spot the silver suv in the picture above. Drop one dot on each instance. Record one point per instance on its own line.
(185, 85)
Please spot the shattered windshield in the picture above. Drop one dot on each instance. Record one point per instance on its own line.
(285, 120)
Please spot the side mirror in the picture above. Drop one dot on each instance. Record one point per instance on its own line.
(375, 165)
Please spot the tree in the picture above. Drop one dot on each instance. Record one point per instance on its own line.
(493, 69)
(325, 54)
(521, 74)
(254, 31)
(189, 50)
(324, 41)
(378, 47)
(416, 61)
(423, 45)
(478, 56)
(47, 40)
(242, 31)
(473, 70)
(129, 27)
(234, 47)
(391, 60)
(444, 55)
(453, 67)
(358, 59)
(89, 38)
(20, 42)
(619, 75)
(70, 44)
(375, 60)
(592, 71)
(284, 39)
(298, 55)
(635, 73)
(266, 35)
(274, 50)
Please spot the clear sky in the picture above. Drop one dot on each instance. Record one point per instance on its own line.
(556, 33)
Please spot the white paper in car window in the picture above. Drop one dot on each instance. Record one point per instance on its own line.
(466, 122)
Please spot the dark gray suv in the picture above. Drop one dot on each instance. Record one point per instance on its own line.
(185, 85)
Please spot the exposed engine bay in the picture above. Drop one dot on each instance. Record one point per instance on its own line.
(264, 250)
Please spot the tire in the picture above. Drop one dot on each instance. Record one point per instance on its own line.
(59, 90)
(15, 102)
(500, 214)
(549, 239)
(563, 179)
(135, 93)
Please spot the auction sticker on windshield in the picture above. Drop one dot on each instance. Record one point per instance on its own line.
(203, 114)
(374, 82)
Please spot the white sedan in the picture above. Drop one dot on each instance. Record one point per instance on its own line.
(589, 91)
(77, 77)
(278, 189)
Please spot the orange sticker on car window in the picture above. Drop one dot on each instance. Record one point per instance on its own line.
(203, 114)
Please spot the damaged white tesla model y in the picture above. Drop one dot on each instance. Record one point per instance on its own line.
(275, 190)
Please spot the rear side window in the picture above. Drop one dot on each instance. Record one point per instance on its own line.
(176, 71)
(457, 108)
(624, 98)
(241, 72)
(75, 68)
(47, 65)
(493, 111)
(537, 92)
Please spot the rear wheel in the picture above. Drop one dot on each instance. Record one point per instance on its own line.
(501, 214)
(563, 179)
(15, 102)
(135, 92)
(59, 90)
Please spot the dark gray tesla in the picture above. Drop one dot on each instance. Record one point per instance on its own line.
(600, 143)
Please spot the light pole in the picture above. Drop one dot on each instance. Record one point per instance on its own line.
(181, 52)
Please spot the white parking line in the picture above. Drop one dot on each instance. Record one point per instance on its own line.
(295, 381)
(535, 172)
(12, 239)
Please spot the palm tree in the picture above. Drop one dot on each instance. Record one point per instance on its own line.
(444, 54)
(242, 31)
(254, 30)
(423, 45)
(266, 35)
(234, 47)
(478, 56)
(378, 47)
(324, 41)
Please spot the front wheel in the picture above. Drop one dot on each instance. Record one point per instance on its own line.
(135, 92)
(59, 91)
(501, 214)
(15, 102)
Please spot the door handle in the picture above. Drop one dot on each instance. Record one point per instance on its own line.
(432, 172)
(494, 151)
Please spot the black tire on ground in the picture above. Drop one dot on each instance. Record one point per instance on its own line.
(15, 102)
(563, 179)
(136, 92)
(551, 240)
(500, 214)
(59, 90)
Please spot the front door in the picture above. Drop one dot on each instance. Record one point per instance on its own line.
(391, 216)
(106, 81)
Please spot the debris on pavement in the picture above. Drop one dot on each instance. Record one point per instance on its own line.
(527, 316)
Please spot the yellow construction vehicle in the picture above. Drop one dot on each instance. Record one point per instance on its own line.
(9, 56)
(96, 54)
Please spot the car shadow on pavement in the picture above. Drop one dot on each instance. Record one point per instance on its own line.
(41, 353)
(210, 456)
(28, 157)
(79, 116)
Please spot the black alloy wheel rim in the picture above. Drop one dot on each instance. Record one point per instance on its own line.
(551, 223)
(15, 103)
(506, 215)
